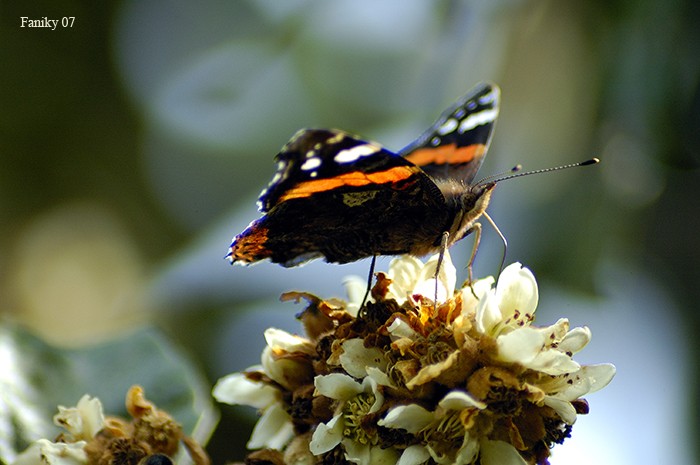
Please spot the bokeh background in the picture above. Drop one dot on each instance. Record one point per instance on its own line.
(134, 143)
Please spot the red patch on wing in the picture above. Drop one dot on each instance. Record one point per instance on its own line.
(450, 154)
(354, 178)
(249, 246)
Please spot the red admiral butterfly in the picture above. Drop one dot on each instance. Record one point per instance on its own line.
(341, 198)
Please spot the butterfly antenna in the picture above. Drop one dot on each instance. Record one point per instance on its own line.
(514, 169)
(514, 173)
(499, 178)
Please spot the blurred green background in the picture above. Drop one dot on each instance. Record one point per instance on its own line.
(134, 143)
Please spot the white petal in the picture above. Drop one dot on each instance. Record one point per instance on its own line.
(379, 456)
(45, 452)
(411, 417)
(379, 377)
(370, 385)
(327, 436)
(564, 409)
(337, 386)
(589, 378)
(399, 328)
(289, 372)
(356, 358)
(480, 287)
(236, 389)
(521, 345)
(553, 363)
(426, 289)
(355, 288)
(447, 278)
(403, 272)
(488, 314)
(280, 340)
(274, 429)
(90, 409)
(357, 453)
(516, 290)
(575, 340)
(600, 375)
(459, 400)
(84, 420)
(414, 455)
(529, 346)
(500, 453)
(441, 458)
(469, 450)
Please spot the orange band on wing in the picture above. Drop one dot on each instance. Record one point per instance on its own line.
(354, 178)
(446, 154)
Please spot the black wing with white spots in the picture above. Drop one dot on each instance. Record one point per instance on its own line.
(455, 145)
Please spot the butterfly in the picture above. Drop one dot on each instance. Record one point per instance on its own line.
(338, 197)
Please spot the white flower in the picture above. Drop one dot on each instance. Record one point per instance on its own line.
(510, 305)
(82, 423)
(448, 424)
(237, 389)
(355, 401)
(279, 362)
(408, 382)
(274, 428)
(506, 313)
(562, 390)
(45, 452)
(355, 288)
(411, 279)
(356, 358)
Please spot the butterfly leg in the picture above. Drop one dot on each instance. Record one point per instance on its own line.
(369, 280)
(503, 238)
(476, 229)
(441, 257)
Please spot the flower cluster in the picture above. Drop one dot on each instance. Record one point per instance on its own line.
(152, 437)
(423, 374)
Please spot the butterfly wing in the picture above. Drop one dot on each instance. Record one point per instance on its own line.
(455, 145)
(317, 160)
(341, 198)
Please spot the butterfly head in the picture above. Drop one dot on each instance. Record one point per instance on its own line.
(476, 200)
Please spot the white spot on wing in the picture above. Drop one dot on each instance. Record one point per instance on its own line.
(311, 164)
(355, 153)
(488, 98)
(478, 119)
(448, 126)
